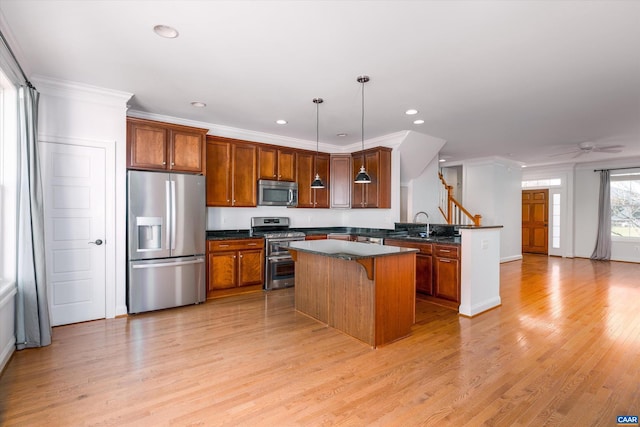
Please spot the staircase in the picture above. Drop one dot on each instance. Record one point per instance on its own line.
(452, 210)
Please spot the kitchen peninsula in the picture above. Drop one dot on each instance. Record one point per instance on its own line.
(364, 290)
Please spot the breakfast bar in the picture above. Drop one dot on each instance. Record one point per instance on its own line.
(364, 290)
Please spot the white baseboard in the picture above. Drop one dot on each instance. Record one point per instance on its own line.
(481, 307)
(511, 258)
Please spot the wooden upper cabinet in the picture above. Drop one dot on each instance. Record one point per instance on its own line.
(231, 172)
(377, 194)
(219, 191)
(341, 180)
(153, 145)
(277, 164)
(307, 164)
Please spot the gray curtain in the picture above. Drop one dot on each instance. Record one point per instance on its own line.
(33, 327)
(602, 250)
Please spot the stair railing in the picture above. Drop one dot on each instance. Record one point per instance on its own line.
(452, 210)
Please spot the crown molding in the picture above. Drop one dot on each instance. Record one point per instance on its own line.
(79, 91)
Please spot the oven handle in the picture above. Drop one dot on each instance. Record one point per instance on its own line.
(279, 258)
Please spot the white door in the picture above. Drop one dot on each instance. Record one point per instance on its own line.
(74, 209)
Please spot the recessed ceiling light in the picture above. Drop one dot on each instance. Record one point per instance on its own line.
(281, 122)
(411, 112)
(341, 135)
(442, 160)
(418, 122)
(166, 31)
(198, 104)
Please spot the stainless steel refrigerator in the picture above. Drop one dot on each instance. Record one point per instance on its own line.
(166, 233)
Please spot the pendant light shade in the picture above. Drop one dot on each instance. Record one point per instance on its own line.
(317, 182)
(362, 177)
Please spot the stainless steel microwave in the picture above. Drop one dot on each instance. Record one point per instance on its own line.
(277, 193)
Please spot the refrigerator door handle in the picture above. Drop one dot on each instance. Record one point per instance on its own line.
(173, 215)
(168, 264)
(167, 194)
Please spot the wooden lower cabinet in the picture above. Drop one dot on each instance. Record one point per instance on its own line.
(447, 273)
(234, 264)
(437, 270)
(316, 237)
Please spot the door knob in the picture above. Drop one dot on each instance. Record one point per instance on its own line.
(97, 242)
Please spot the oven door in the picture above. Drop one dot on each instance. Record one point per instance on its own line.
(280, 272)
(278, 247)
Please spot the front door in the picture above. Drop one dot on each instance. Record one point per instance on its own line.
(535, 220)
(74, 210)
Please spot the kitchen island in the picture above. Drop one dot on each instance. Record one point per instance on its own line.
(364, 290)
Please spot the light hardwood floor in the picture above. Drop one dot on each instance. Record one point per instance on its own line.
(564, 349)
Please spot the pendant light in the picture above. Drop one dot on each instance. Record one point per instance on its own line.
(362, 177)
(317, 182)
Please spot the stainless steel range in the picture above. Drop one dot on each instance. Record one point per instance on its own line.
(279, 266)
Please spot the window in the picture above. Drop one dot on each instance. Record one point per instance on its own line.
(625, 205)
(8, 177)
(542, 183)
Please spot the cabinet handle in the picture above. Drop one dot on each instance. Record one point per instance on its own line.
(164, 163)
(234, 257)
(240, 256)
(444, 250)
(445, 260)
(252, 244)
(224, 246)
(173, 164)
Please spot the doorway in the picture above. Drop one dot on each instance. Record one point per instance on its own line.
(535, 221)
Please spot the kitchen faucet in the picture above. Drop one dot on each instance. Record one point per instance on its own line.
(415, 219)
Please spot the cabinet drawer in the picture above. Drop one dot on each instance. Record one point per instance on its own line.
(240, 244)
(447, 251)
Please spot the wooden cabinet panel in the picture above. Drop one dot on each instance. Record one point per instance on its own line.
(376, 194)
(286, 165)
(234, 263)
(447, 283)
(268, 159)
(218, 173)
(316, 237)
(187, 151)
(307, 164)
(424, 263)
(147, 146)
(341, 181)
(251, 267)
(447, 272)
(153, 145)
(231, 173)
(304, 176)
(277, 164)
(244, 161)
(323, 168)
(222, 270)
(424, 274)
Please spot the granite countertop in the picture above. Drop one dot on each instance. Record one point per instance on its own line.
(347, 250)
(228, 234)
(451, 240)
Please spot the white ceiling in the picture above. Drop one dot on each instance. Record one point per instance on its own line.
(525, 80)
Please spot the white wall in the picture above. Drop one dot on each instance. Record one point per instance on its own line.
(423, 194)
(492, 188)
(587, 184)
(74, 113)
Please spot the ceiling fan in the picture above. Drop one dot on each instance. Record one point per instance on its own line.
(587, 147)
